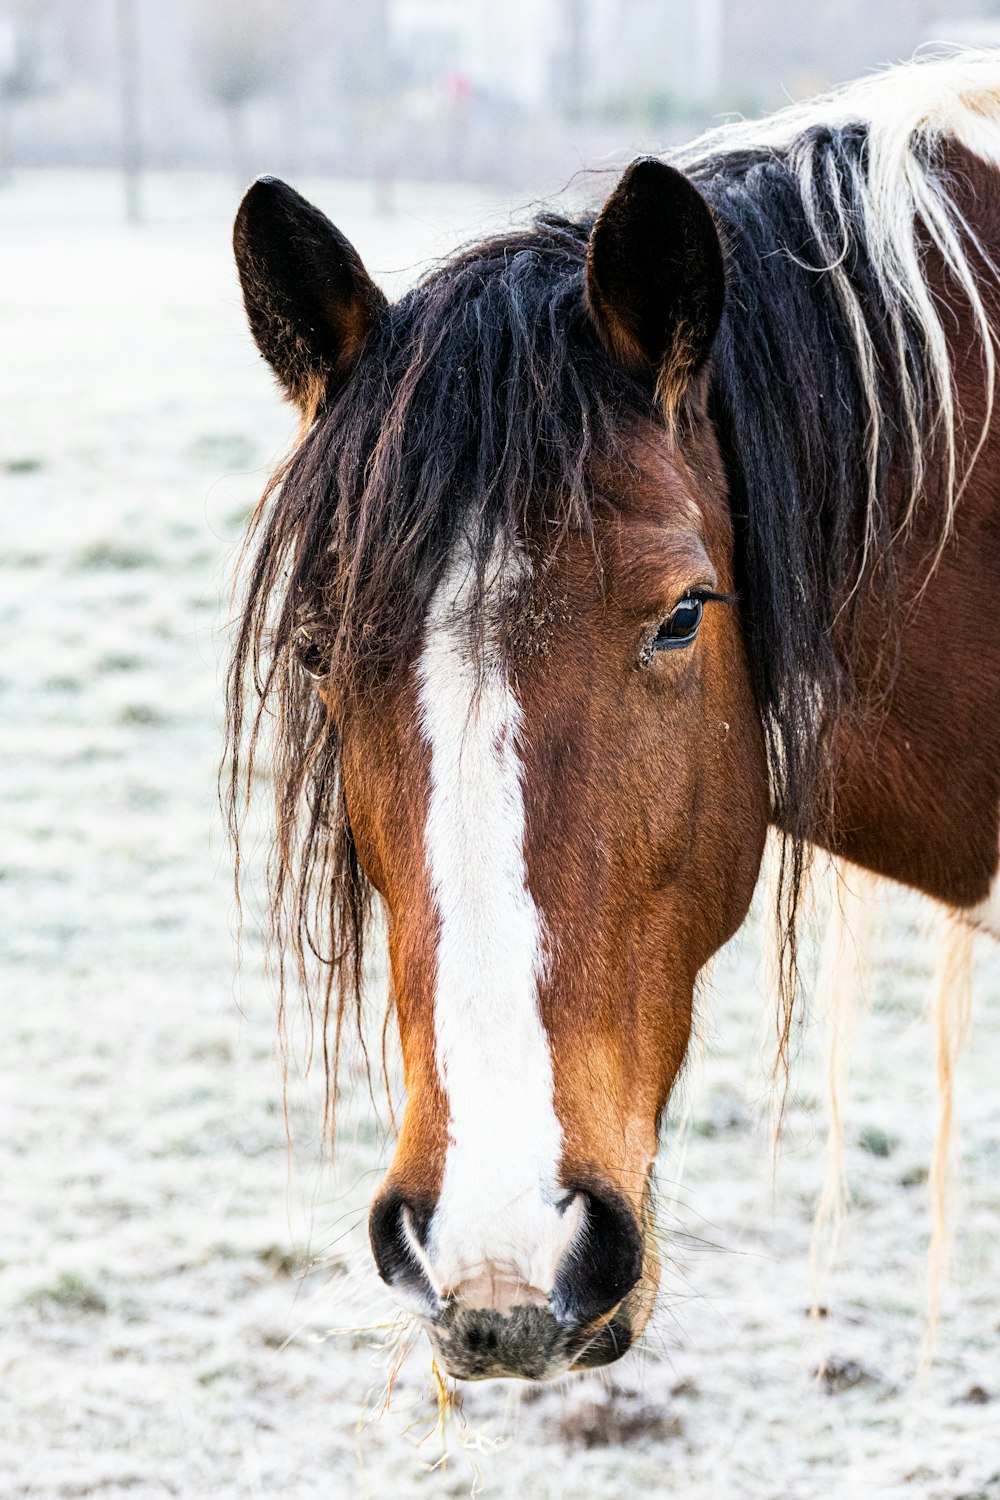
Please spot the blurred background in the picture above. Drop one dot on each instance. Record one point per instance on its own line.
(516, 94)
(188, 1302)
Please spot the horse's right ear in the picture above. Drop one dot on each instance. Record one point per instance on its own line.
(310, 302)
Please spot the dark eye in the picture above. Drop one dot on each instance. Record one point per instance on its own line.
(681, 625)
(312, 653)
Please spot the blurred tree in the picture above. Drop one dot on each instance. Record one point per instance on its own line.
(128, 94)
(243, 49)
(572, 72)
(27, 64)
(368, 88)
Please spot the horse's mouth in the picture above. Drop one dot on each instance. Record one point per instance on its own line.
(526, 1343)
(613, 1339)
(531, 1341)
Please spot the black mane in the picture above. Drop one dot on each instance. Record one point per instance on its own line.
(816, 502)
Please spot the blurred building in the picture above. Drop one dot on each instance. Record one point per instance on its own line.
(587, 54)
(429, 87)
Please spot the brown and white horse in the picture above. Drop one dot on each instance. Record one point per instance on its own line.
(610, 544)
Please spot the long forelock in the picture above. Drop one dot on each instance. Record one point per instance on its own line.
(468, 428)
(472, 423)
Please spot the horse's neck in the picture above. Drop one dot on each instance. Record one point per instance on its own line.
(916, 793)
(916, 790)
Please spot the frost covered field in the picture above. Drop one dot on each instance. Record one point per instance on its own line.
(184, 1302)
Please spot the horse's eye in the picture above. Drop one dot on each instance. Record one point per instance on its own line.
(681, 625)
(312, 655)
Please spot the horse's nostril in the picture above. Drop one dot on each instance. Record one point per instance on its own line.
(605, 1262)
(393, 1225)
(477, 1338)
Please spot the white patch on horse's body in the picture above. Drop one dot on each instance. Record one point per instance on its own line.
(986, 916)
(953, 94)
(497, 1235)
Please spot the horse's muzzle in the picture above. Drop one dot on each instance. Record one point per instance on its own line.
(493, 1325)
(528, 1343)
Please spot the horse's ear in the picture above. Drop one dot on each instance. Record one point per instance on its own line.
(309, 300)
(655, 278)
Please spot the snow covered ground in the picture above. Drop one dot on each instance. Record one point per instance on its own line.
(188, 1307)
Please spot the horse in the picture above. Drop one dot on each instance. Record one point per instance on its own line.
(614, 543)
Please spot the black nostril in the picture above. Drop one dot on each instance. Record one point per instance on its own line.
(390, 1242)
(477, 1338)
(606, 1261)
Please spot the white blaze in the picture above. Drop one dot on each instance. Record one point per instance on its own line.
(497, 1227)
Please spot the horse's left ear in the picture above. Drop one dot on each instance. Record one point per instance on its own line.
(310, 302)
(655, 277)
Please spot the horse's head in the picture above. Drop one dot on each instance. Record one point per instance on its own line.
(503, 633)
